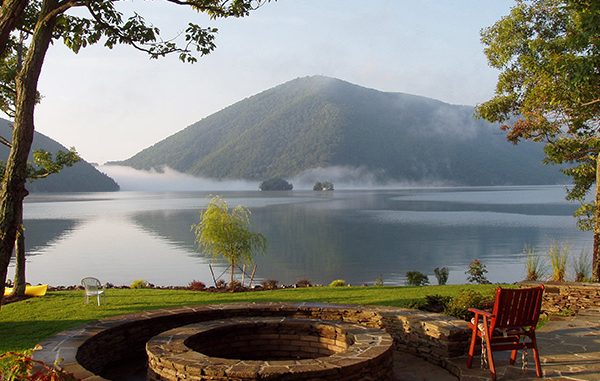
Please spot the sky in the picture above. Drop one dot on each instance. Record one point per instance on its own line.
(110, 104)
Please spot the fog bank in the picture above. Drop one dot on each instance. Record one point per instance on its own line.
(131, 179)
(344, 177)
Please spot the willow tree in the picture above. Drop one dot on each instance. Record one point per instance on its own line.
(549, 91)
(95, 21)
(226, 233)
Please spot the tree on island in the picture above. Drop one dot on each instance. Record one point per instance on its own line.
(96, 21)
(549, 91)
(226, 233)
(323, 186)
(275, 184)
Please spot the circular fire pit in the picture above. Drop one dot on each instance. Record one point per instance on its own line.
(270, 348)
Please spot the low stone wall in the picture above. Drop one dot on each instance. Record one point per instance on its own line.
(90, 350)
(569, 297)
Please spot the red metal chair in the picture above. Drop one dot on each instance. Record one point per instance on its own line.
(509, 325)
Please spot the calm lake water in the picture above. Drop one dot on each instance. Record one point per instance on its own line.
(354, 235)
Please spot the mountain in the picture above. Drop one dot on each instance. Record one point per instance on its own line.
(81, 177)
(316, 122)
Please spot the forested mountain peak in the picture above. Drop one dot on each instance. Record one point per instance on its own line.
(316, 122)
(81, 177)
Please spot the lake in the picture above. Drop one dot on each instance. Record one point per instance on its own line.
(357, 235)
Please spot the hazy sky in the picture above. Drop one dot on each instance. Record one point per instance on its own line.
(110, 104)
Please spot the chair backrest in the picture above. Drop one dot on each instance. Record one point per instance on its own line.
(91, 284)
(515, 308)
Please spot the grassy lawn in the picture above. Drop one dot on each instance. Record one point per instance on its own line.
(25, 323)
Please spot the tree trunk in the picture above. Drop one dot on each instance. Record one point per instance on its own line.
(232, 272)
(10, 15)
(13, 185)
(596, 254)
(19, 282)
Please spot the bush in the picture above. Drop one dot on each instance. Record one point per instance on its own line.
(303, 283)
(581, 267)
(338, 283)
(220, 284)
(235, 286)
(139, 283)
(416, 278)
(275, 184)
(558, 259)
(379, 281)
(196, 285)
(466, 299)
(534, 266)
(436, 303)
(20, 367)
(476, 272)
(441, 274)
(270, 284)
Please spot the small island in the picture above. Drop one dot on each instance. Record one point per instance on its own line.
(276, 184)
(323, 186)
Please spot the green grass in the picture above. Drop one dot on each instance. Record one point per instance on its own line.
(25, 323)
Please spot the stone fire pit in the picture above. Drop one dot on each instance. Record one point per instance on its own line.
(270, 348)
(105, 349)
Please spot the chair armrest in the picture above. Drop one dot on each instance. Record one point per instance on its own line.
(480, 312)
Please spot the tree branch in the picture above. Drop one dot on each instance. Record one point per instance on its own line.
(5, 142)
(591, 102)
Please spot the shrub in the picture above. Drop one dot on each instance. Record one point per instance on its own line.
(417, 304)
(379, 281)
(196, 285)
(476, 272)
(416, 278)
(466, 299)
(558, 259)
(235, 286)
(303, 283)
(581, 266)
(269, 284)
(441, 274)
(139, 283)
(19, 366)
(338, 283)
(435, 303)
(221, 284)
(534, 266)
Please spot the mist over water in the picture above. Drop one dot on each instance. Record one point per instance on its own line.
(343, 177)
(131, 179)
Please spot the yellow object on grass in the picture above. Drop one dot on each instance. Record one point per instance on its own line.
(39, 290)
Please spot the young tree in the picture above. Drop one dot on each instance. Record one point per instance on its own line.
(549, 91)
(96, 21)
(225, 233)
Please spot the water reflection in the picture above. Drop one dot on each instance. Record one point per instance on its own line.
(354, 235)
(42, 233)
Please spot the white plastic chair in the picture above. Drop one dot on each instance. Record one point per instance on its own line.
(93, 287)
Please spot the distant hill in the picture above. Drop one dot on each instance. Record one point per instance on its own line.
(314, 122)
(81, 177)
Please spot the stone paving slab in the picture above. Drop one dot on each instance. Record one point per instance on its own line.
(409, 367)
(569, 350)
